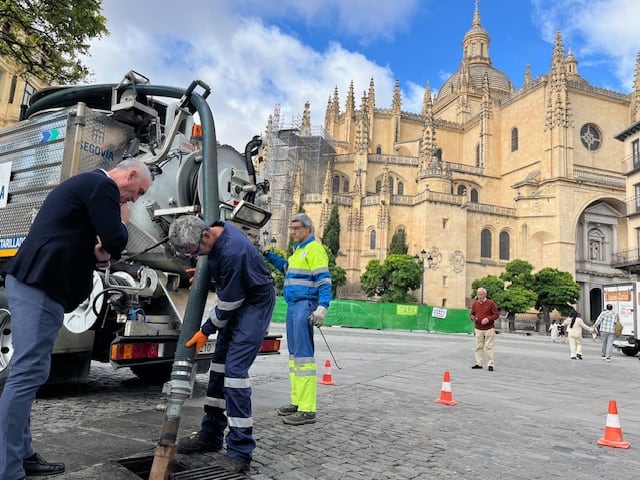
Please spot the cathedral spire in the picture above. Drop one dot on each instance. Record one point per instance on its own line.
(350, 107)
(362, 128)
(475, 45)
(372, 96)
(396, 105)
(426, 100)
(527, 75)
(305, 126)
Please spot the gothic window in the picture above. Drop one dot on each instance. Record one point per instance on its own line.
(378, 150)
(474, 195)
(439, 154)
(504, 246)
(378, 186)
(462, 190)
(478, 155)
(514, 139)
(596, 244)
(335, 187)
(396, 133)
(391, 185)
(345, 185)
(591, 136)
(485, 244)
(372, 240)
(635, 151)
(400, 188)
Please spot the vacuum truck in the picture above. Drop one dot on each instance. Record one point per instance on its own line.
(134, 314)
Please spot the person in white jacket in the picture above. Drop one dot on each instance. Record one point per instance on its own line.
(575, 325)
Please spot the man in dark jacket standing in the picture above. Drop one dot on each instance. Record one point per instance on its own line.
(81, 223)
(484, 313)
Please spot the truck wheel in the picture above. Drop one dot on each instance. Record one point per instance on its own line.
(153, 374)
(631, 351)
(6, 348)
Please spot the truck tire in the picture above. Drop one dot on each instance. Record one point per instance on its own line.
(631, 351)
(6, 348)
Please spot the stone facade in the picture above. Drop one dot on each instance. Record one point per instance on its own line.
(15, 89)
(483, 175)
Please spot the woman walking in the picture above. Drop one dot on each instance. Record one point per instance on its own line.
(575, 325)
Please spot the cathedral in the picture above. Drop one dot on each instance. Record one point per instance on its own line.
(484, 174)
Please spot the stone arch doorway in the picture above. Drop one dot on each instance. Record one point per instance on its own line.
(595, 304)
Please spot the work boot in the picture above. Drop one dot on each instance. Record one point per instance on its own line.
(287, 410)
(195, 444)
(300, 418)
(233, 465)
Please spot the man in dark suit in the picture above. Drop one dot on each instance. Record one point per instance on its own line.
(81, 223)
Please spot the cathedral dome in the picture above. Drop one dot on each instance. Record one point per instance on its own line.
(499, 83)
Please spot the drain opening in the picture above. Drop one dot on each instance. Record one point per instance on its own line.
(141, 466)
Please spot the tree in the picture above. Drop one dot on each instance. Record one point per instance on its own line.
(555, 290)
(338, 274)
(331, 234)
(399, 243)
(391, 280)
(46, 38)
(518, 272)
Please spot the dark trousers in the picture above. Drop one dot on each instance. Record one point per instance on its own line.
(35, 322)
(237, 346)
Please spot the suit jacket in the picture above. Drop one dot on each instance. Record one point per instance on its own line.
(58, 254)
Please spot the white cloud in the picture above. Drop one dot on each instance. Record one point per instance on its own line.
(602, 33)
(249, 66)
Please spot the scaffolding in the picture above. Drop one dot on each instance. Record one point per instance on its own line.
(295, 154)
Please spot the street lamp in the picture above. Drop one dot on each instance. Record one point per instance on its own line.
(273, 242)
(421, 259)
(265, 236)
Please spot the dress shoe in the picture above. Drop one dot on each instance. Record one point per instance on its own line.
(35, 466)
(476, 366)
(491, 368)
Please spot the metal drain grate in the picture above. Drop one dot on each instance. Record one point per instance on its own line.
(207, 473)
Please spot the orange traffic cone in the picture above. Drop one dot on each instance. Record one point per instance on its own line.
(446, 398)
(612, 431)
(327, 379)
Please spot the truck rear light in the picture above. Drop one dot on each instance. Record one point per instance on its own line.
(135, 351)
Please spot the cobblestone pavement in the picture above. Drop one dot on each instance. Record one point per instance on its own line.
(539, 415)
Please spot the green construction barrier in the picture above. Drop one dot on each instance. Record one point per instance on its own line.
(389, 316)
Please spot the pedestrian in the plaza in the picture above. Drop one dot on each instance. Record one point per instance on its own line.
(307, 291)
(553, 328)
(605, 324)
(484, 312)
(80, 226)
(246, 299)
(575, 325)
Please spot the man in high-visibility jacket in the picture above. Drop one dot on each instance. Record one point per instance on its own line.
(307, 291)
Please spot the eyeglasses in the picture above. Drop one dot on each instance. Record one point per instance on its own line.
(197, 251)
(296, 228)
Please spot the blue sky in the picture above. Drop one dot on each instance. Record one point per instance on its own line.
(259, 53)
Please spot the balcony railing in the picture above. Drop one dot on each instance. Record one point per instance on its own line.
(599, 178)
(630, 163)
(626, 259)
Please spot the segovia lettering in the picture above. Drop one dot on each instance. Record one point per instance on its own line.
(97, 150)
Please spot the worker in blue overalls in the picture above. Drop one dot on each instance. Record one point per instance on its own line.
(246, 298)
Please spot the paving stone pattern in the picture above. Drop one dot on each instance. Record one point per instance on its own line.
(538, 416)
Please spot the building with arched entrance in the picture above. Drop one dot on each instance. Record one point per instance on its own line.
(484, 174)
